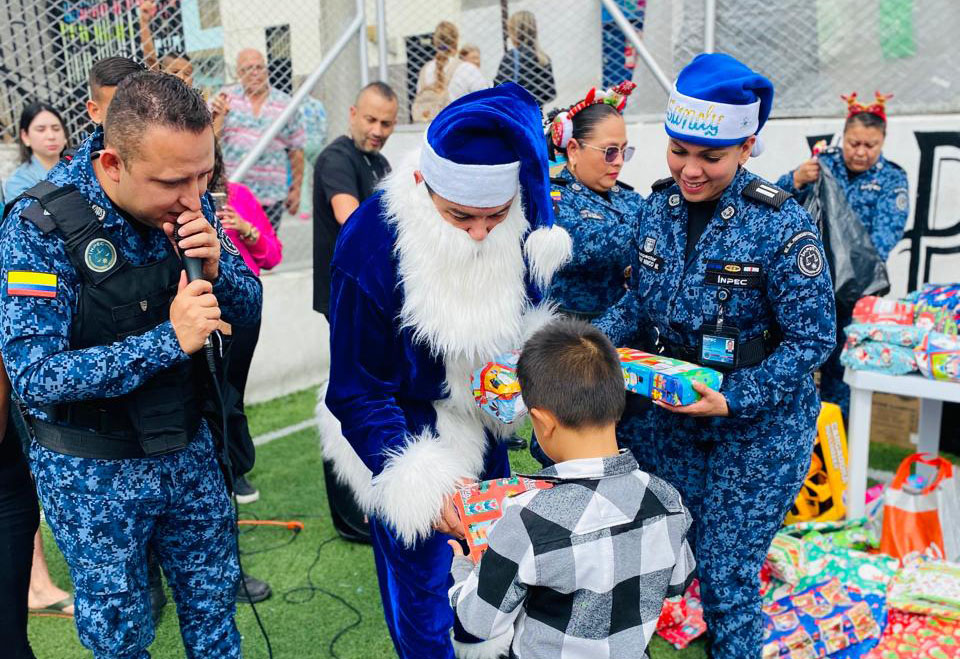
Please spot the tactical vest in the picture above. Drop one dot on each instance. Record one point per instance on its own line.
(116, 300)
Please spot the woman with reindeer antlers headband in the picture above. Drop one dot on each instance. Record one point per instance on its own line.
(876, 189)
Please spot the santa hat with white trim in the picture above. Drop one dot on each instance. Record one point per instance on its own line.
(484, 149)
(718, 101)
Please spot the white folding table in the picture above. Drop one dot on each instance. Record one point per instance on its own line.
(931, 393)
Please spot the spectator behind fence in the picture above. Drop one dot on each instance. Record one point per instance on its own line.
(526, 64)
(174, 63)
(587, 563)
(470, 53)
(43, 138)
(446, 77)
(345, 174)
(103, 79)
(248, 109)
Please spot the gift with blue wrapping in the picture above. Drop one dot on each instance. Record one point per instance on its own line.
(664, 378)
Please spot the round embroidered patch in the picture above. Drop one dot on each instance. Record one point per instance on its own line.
(674, 200)
(228, 245)
(902, 201)
(100, 255)
(727, 212)
(810, 261)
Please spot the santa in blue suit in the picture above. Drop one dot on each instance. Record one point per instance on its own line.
(433, 276)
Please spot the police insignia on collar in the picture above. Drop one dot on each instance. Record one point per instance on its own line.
(727, 212)
(674, 200)
(810, 261)
(98, 211)
(100, 255)
(576, 187)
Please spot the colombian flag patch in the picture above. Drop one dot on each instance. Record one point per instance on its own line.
(31, 284)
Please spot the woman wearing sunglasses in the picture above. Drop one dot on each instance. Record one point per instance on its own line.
(599, 212)
(732, 276)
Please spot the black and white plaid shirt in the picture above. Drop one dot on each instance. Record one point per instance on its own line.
(580, 570)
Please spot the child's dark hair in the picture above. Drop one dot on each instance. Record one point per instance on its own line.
(571, 369)
(30, 113)
(110, 71)
(584, 123)
(867, 120)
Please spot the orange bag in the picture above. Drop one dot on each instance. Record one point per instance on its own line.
(922, 521)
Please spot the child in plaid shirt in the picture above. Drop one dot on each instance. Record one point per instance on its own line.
(580, 570)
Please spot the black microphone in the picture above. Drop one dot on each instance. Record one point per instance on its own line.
(194, 269)
(191, 264)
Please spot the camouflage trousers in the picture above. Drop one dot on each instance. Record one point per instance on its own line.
(105, 513)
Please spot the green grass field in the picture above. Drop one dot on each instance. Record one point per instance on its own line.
(303, 622)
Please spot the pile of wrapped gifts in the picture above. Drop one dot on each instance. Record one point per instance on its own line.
(917, 333)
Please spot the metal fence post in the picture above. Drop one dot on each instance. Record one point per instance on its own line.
(709, 25)
(634, 38)
(382, 40)
(362, 39)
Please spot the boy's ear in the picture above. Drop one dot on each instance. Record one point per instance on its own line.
(546, 421)
(94, 111)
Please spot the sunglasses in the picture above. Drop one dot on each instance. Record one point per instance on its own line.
(610, 153)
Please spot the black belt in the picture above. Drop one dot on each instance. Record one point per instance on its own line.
(749, 353)
(86, 444)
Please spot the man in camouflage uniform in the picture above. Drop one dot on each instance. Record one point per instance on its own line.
(748, 294)
(97, 330)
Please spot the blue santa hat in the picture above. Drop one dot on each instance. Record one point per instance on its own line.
(718, 101)
(484, 149)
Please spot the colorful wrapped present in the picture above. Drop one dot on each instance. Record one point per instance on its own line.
(908, 336)
(817, 622)
(497, 390)
(682, 622)
(938, 356)
(927, 587)
(880, 357)
(664, 378)
(481, 504)
(873, 309)
(915, 636)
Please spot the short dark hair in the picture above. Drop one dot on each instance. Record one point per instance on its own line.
(571, 369)
(867, 120)
(152, 98)
(111, 71)
(382, 88)
(30, 112)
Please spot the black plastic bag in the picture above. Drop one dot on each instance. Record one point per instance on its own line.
(855, 266)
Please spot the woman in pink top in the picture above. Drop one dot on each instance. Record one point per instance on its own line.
(248, 228)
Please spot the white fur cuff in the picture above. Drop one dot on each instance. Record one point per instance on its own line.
(547, 249)
(409, 493)
(494, 648)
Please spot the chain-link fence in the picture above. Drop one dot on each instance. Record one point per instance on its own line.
(813, 50)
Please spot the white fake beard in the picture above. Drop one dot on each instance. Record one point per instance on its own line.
(464, 299)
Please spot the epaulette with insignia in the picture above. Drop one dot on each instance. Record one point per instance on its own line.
(38, 217)
(559, 181)
(625, 186)
(662, 184)
(766, 193)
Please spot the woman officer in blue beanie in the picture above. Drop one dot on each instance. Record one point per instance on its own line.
(732, 276)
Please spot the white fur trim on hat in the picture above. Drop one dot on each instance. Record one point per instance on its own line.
(708, 120)
(480, 186)
(547, 249)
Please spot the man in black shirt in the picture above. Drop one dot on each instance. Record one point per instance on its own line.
(346, 173)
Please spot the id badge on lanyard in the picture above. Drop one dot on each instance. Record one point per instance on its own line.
(719, 343)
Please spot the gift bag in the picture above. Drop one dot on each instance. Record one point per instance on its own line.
(922, 521)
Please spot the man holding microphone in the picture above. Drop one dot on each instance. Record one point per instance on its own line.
(103, 339)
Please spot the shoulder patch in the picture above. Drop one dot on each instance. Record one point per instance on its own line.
(796, 238)
(766, 193)
(38, 217)
(662, 184)
(810, 260)
(31, 284)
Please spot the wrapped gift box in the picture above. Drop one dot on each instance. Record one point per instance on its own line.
(664, 378)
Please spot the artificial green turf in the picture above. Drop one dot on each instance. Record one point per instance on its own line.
(290, 479)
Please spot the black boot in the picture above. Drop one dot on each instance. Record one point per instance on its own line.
(255, 590)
